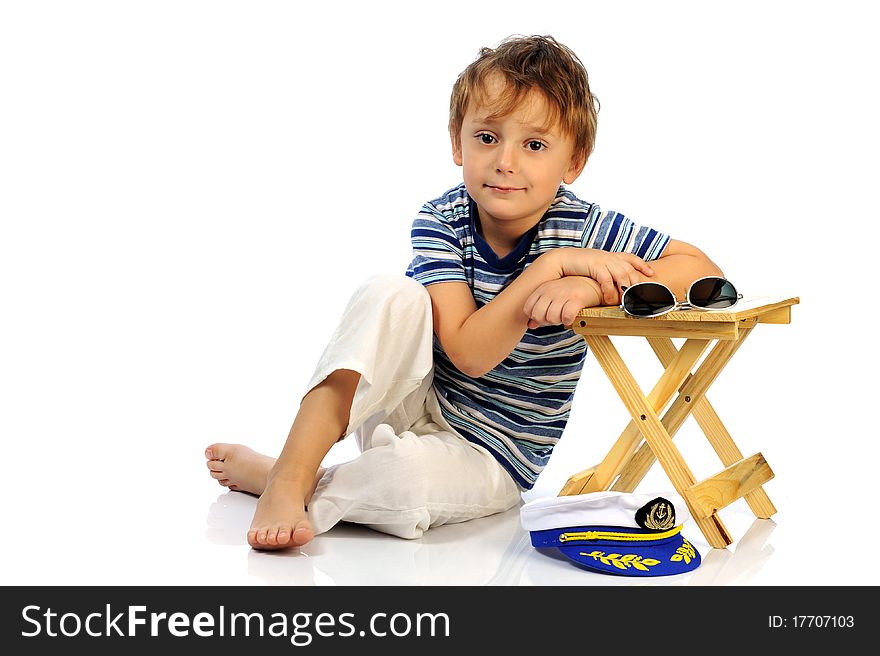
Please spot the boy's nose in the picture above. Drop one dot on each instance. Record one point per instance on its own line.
(506, 162)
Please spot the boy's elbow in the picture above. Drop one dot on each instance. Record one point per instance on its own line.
(476, 371)
(713, 269)
(470, 367)
(464, 356)
(702, 265)
(706, 265)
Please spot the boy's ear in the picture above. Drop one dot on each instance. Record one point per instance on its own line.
(456, 149)
(578, 162)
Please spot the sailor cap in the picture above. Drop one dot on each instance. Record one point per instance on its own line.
(621, 533)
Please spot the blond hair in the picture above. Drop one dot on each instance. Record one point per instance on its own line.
(530, 63)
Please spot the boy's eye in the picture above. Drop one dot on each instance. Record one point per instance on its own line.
(486, 138)
(536, 146)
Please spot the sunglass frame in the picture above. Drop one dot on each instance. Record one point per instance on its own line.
(678, 305)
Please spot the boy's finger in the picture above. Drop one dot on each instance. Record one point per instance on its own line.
(554, 313)
(640, 264)
(569, 312)
(609, 292)
(539, 312)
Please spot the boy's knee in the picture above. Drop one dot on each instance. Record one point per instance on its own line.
(396, 291)
(405, 464)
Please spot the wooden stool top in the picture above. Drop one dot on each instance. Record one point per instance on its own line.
(707, 324)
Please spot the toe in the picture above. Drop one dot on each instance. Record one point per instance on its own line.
(264, 539)
(303, 533)
(218, 451)
(218, 474)
(278, 537)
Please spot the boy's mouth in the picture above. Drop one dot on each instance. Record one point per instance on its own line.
(503, 190)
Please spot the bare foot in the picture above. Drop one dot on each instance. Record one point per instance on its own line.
(238, 467)
(280, 521)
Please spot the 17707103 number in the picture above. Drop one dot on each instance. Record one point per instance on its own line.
(811, 622)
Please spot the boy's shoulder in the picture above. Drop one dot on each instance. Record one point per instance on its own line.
(452, 201)
(450, 211)
(566, 201)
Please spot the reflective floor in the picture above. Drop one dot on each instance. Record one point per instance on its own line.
(181, 528)
(125, 498)
(491, 551)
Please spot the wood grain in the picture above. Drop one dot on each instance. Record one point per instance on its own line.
(720, 490)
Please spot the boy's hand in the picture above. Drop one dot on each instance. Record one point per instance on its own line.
(611, 270)
(559, 301)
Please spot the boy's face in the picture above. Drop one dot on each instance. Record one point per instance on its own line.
(512, 165)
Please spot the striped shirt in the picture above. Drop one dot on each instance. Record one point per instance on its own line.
(519, 409)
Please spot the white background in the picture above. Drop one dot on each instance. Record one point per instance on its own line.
(190, 191)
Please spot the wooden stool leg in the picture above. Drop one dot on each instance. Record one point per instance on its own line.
(677, 369)
(691, 392)
(715, 432)
(656, 436)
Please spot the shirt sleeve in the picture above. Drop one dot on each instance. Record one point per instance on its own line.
(438, 255)
(612, 231)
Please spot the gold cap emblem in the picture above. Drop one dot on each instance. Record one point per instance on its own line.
(656, 515)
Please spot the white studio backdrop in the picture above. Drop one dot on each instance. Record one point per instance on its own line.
(190, 191)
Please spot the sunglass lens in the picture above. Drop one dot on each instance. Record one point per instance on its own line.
(647, 298)
(713, 294)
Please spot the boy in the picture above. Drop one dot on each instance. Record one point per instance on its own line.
(458, 379)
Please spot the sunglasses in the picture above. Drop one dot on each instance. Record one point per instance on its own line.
(653, 299)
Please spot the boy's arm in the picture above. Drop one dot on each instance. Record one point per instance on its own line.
(559, 301)
(677, 267)
(477, 340)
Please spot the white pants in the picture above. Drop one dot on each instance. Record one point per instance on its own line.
(414, 470)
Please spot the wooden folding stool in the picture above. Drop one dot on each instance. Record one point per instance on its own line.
(630, 458)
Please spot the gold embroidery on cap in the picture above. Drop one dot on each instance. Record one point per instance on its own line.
(582, 535)
(685, 551)
(660, 516)
(617, 535)
(622, 561)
